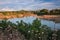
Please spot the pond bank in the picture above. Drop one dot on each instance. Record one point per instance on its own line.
(16, 16)
(48, 17)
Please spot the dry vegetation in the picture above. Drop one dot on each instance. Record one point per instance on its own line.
(44, 13)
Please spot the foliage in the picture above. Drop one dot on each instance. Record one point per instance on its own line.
(38, 12)
(34, 31)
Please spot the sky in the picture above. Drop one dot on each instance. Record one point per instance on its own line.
(11, 5)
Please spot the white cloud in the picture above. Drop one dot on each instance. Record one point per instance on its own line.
(26, 4)
(41, 5)
(15, 1)
(7, 9)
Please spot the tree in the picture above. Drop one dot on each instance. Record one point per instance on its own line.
(41, 12)
(44, 11)
(55, 11)
(58, 34)
(3, 24)
(36, 23)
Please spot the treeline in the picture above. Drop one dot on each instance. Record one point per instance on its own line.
(34, 31)
(48, 12)
(38, 12)
(15, 12)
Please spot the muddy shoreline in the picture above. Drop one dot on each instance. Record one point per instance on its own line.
(55, 18)
(47, 17)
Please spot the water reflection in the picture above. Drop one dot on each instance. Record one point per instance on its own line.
(51, 24)
(31, 18)
(25, 19)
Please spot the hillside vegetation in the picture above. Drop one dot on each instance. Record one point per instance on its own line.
(27, 31)
(23, 13)
(38, 12)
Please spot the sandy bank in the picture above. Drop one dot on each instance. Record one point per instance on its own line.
(48, 17)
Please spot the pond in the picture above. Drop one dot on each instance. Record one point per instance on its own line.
(43, 22)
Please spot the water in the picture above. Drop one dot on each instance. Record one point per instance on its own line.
(43, 22)
(50, 24)
(25, 19)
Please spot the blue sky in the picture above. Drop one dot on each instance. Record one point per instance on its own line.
(28, 4)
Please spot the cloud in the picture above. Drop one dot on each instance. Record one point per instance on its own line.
(42, 5)
(15, 1)
(28, 4)
(7, 9)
